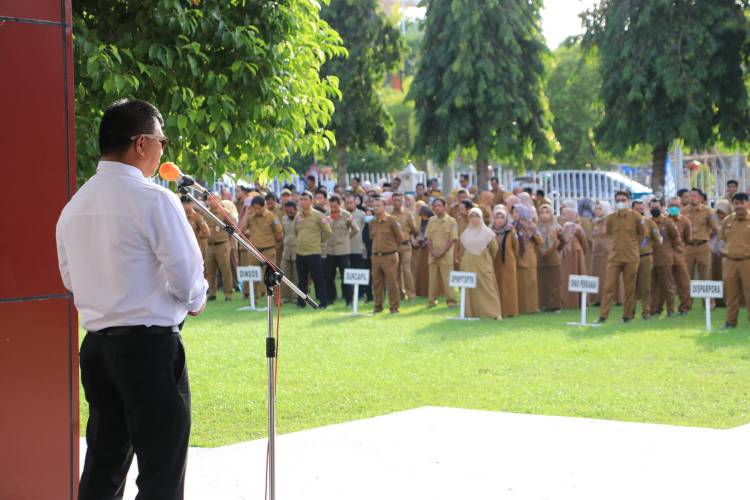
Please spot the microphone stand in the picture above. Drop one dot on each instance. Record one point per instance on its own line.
(272, 277)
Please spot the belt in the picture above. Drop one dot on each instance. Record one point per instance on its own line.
(647, 254)
(383, 254)
(696, 243)
(138, 330)
(406, 242)
(212, 243)
(266, 248)
(739, 259)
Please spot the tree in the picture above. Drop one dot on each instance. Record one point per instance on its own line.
(479, 82)
(374, 47)
(670, 69)
(237, 81)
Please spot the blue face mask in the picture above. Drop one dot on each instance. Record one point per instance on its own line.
(368, 218)
(674, 211)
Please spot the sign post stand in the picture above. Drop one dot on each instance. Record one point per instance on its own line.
(707, 290)
(463, 281)
(250, 274)
(356, 277)
(584, 285)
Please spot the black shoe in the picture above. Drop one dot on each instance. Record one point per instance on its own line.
(729, 325)
(227, 299)
(670, 314)
(626, 320)
(212, 298)
(395, 312)
(600, 321)
(682, 314)
(646, 317)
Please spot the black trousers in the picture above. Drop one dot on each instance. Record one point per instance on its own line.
(311, 265)
(340, 262)
(358, 262)
(139, 401)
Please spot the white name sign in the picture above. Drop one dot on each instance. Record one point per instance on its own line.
(249, 273)
(583, 284)
(706, 289)
(459, 279)
(356, 276)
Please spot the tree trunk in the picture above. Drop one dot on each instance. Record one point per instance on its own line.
(342, 166)
(447, 179)
(658, 169)
(482, 177)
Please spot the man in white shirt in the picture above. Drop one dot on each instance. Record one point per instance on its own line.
(129, 256)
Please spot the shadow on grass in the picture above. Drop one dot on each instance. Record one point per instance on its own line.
(722, 339)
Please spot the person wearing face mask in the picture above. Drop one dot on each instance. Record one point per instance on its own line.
(662, 284)
(627, 229)
(646, 261)
(679, 266)
(735, 233)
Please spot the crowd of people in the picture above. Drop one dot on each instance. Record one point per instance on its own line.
(521, 248)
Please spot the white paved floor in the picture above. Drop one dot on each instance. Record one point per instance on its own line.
(444, 453)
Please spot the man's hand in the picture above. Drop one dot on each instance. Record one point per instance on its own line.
(196, 313)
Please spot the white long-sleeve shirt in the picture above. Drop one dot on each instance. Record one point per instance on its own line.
(127, 252)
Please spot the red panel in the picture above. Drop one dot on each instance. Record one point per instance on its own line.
(35, 157)
(48, 10)
(39, 400)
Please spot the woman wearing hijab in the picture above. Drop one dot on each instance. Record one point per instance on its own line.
(486, 200)
(600, 248)
(550, 288)
(573, 255)
(505, 261)
(586, 220)
(422, 275)
(525, 199)
(526, 265)
(478, 249)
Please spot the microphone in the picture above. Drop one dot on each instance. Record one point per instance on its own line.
(171, 172)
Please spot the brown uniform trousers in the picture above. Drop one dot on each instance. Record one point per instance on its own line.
(386, 235)
(735, 232)
(440, 231)
(408, 229)
(679, 266)
(217, 258)
(626, 228)
(646, 266)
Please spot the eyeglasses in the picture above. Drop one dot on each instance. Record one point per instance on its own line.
(160, 138)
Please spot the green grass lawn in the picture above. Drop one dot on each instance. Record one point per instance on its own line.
(334, 368)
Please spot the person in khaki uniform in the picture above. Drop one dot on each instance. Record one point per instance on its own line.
(735, 233)
(197, 223)
(442, 235)
(662, 284)
(679, 267)
(264, 230)
(273, 206)
(705, 226)
(385, 233)
(338, 247)
(218, 251)
(626, 228)
(312, 229)
(289, 254)
(409, 230)
(646, 261)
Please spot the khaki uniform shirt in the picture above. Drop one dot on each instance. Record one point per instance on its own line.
(703, 221)
(385, 234)
(356, 245)
(670, 240)
(626, 228)
(735, 232)
(311, 232)
(200, 228)
(651, 238)
(262, 229)
(685, 232)
(342, 232)
(408, 226)
(218, 234)
(440, 231)
(290, 238)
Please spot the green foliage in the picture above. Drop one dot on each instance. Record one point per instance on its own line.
(237, 81)
(671, 69)
(480, 80)
(374, 47)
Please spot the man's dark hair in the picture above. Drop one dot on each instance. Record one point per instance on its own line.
(468, 204)
(271, 196)
(494, 178)
(258, 200)
(528, 190)
(540, 192)
(357, 179)
(420, 184)
(438, 199)
(397, 179)
(306, 194)
(398, 194)
(322, 190)
(185, 198)
(334, 199)
(386, 184)
(682, 191)
(244, 189)
(124, 119)
(319, 209)
(636, 202)
(290, 203)
(290, 187)
(623, 193)
(434, 179)
(697, 190)
(310, 178)
(741, 197)
(464, 176)
(656, 200)
(732, 182)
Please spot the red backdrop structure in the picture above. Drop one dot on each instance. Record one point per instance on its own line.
(38, 324)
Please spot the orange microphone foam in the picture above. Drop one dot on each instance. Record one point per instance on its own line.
(169, 171)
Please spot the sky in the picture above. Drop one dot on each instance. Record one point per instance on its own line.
(560, 19)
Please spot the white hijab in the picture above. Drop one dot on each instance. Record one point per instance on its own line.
(475, 238)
